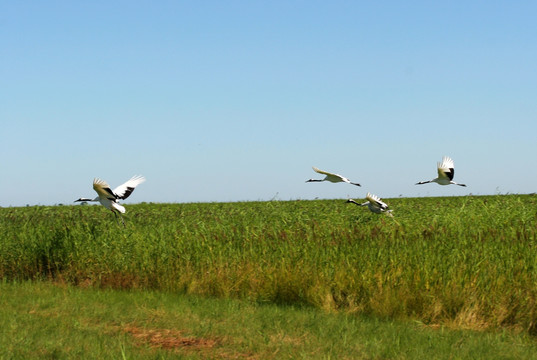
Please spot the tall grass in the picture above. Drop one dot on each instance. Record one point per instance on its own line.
(462, 261)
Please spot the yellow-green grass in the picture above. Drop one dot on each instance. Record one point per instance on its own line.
(42, 320)
(467, 262)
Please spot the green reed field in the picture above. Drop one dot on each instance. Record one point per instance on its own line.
(467, 262)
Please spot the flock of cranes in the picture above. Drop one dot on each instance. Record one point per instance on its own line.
(110, 198)
(446, 171)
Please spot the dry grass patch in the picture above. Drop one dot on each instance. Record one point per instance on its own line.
(168, 338)
(177, 340)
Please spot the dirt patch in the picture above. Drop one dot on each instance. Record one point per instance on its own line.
(169, 339)
(177, 341)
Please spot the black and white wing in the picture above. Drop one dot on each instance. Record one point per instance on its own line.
(103, 189)
(446, 169)
(332, 177)
(327, 173)
(123, 191)
(376, 200)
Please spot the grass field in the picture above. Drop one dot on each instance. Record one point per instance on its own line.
(54, 321)
(462, 262)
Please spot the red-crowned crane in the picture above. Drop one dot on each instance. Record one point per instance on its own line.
(109, 198)
(374, 203)
(446, 171)
(335, 178)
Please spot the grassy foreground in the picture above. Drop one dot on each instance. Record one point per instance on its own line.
(465, 262)
(50, 321)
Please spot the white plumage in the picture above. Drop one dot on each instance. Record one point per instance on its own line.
(374, 203)
(335, 178)
(446, 171)
(109, 198)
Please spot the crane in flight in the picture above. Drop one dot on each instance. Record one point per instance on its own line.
(375, 204)
(446, 171)
(109, 198)
(335, 178)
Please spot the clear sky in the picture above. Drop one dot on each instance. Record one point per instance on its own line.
(237, 100)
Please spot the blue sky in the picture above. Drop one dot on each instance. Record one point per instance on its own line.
(237, 100)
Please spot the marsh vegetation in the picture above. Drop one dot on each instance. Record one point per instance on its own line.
(464, 262)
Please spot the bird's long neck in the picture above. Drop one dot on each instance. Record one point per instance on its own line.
(424, 182)
(87, 199)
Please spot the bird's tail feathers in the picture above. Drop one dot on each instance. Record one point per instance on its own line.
(118, 207)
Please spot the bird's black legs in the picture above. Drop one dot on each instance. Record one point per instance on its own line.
(122, 221)
(121, 217)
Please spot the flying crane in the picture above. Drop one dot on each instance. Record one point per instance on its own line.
(109, 198)
(446, 171)
(335, 178)
(375, 204)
